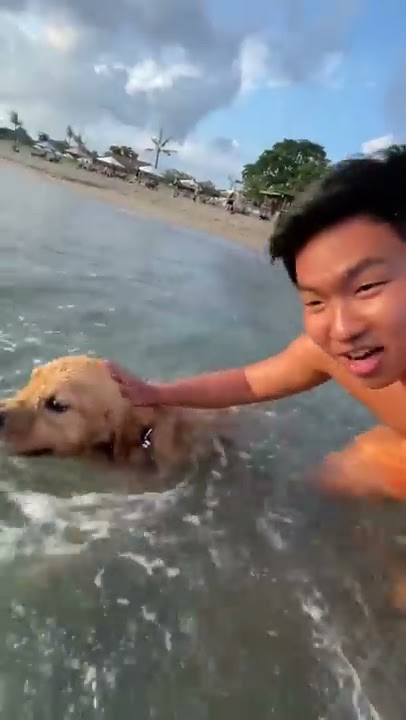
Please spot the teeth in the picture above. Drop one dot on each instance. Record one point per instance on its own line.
(357, 356)
(360, 354)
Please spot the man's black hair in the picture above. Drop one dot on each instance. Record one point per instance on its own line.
(370, 187)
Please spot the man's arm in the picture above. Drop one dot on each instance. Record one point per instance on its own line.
(301, 366)
(296, 369)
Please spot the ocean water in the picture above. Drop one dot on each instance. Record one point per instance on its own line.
(239, 592)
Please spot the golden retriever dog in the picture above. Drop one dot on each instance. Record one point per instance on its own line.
(71, 407)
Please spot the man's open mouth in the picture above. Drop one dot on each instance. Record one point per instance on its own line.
(363, 353)
(364, 362)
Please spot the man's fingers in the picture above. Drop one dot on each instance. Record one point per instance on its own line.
(117, 373)
(130, 386)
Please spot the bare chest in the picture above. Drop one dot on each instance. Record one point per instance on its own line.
(387, 405)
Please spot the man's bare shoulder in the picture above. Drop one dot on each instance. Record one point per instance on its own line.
(309, 359)
(303, 345)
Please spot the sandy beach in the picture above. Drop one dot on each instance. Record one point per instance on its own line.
(248, 231)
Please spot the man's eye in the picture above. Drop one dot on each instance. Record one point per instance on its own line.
(55, 405)
(370, 287)
(313, 303)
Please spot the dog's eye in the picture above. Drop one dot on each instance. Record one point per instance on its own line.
(55, 405)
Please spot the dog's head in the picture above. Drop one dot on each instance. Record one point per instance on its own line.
(71, 407)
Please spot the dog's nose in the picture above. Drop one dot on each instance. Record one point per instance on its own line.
(2, 418)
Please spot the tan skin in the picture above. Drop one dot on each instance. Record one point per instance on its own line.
(352, 282)
(346, 302)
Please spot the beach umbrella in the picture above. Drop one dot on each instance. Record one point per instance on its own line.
(147, 170)
(108, 160)
(189, 183)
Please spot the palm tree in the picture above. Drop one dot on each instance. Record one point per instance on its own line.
(79, 140)
(80, 143)
(160, 146)
(233, 182)
(15, 120)
(69, 134)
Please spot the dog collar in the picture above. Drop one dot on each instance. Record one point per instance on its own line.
(146, 438)
(108, 447)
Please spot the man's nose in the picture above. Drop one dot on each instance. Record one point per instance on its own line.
(345, 323)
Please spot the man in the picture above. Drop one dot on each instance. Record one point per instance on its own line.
(343, 244)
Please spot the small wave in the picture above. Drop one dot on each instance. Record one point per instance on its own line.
(65, 526)
(327, 639)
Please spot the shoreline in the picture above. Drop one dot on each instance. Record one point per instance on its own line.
(248, 232)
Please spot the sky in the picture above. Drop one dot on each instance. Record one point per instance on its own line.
(225, 80)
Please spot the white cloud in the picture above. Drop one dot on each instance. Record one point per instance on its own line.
(265, 64)
(369, 147)
(102, 69)
(150, 75)
(156, 70)
(252, 63)
(216, 159)
(329, 72)
(261, 65)
(63, 38)
(108, 69)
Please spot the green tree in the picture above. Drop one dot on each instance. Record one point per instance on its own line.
(169, 176)
(123, 151)
(208, 188)
(394, 150)
(289, 166)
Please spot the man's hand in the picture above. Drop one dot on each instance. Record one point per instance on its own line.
(137, 391)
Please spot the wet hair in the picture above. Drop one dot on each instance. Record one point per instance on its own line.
(370, 187)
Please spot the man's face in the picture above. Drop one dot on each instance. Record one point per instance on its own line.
(352, 282)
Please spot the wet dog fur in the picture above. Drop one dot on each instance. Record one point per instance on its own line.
(71, 407)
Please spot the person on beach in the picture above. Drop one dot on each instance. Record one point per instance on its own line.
(343, 245)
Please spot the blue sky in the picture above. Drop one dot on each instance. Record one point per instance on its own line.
(341, 114)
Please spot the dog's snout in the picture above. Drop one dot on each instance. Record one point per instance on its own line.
(2, 417)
